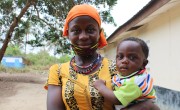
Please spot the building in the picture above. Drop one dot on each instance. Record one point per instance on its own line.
(12, 62)
(158, 23)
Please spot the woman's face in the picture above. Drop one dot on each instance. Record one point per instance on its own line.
(83, 32)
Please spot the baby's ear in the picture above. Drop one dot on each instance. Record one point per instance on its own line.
(145, 62)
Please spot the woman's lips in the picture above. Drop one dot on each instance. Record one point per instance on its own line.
(84, 45)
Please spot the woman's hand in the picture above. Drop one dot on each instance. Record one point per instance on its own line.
(146, 105)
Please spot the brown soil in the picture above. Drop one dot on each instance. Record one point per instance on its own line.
(22, 91)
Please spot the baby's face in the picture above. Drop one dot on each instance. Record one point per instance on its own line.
(129, 57)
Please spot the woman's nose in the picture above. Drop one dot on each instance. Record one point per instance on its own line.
(83, 36)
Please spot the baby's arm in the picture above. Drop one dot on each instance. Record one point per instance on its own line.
(108, 94)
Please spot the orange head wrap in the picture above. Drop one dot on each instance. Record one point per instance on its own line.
(81, 10)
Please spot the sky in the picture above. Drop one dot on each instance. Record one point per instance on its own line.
(122, 12)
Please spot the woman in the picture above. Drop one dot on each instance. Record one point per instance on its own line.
(70, 85)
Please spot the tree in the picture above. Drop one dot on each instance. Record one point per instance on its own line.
(15, 21)
(43, 21)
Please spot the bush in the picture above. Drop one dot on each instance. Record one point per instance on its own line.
(38, 63)
(65, 58)
(13, 50)
(41, 59)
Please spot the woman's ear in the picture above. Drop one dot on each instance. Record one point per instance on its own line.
(67, 34)
(101, 29)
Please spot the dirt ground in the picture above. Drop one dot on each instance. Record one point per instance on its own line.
(22, 91)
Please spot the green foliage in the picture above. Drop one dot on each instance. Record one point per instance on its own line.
(64, 58)
(42, 58)
(13, 50)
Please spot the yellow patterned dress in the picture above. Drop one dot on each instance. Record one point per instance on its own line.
(77, 90)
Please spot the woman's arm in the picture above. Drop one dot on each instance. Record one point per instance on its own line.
(54, 98)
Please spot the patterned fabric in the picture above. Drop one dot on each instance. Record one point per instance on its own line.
(137, 86)
(77, 89)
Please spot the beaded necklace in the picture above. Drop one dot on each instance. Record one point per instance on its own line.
(85, 69)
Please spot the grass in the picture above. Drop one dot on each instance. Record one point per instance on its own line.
(26, 69)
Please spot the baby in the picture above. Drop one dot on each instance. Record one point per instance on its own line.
(133, 83)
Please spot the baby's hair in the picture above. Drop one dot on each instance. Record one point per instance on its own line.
(144, 46)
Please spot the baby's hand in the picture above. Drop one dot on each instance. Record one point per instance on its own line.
(99, 83)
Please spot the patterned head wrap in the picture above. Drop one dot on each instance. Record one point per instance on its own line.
(81, 10)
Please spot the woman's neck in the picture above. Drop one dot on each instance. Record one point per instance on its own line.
(85, 60)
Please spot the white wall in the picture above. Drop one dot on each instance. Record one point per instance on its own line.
(110, 51)
(163, 38)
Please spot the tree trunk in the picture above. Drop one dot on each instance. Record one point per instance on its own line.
(13, 25)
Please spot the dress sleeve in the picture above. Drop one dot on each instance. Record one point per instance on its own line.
(127, 93)
(54, 76)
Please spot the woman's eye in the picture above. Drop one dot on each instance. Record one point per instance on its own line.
(91, 30)
(76, 31)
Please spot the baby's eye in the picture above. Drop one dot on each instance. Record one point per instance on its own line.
(132, 57)
(119, 57)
